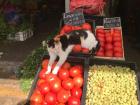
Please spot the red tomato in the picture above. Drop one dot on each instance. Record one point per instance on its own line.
(63, 74)
(67, 84)
(67, 28)
(100, 35)
(109, 53)
(45, 103)
(55, 85)
(115, 39)
(101, 39)
(36, 90)
(109, 38)
(102, 44)
(101, 49)
(74, 71)
(36, 98)
(118, 49)
(60, 104)
(100, 30)
(118, 54)
(108, 46)
(63, 96)
(77, 48)
(76, 92)
(34, 103)
(66, 65)
(78, 81)
(50, 98)
(117, 34)
(86, 26)
(45, 63)
(42, 74)
(80, 68)
(40, 81)
(76, 28)
(118, 44)
(100, 53)
(85, 50)
(50, 77)
(44, 88)
(73, 101)
(112, 31)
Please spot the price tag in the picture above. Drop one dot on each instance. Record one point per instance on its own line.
(74, 18)
(112, 22)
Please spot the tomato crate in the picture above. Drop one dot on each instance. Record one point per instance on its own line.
(72, 60)
(100, 82)
(111, 41)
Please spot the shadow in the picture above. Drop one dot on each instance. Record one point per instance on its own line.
(24, 102)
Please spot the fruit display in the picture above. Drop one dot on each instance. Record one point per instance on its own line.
(111, 43)
(65, 88)
(69, 28)
(111, 85)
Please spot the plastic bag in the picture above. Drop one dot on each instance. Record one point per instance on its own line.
(89, 6)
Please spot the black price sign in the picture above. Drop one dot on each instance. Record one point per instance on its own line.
(112, 22)
(74, 18)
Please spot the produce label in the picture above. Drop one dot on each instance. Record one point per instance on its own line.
(74, 18)
(112, 22)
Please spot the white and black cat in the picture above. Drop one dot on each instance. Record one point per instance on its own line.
(63, 47)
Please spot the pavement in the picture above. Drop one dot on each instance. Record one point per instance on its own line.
(12, 54)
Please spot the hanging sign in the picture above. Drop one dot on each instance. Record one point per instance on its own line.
(74, 18)
(112, 22)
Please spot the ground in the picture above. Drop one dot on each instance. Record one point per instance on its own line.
(10, 92)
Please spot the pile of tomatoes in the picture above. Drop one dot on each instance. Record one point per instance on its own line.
(65, 88)
(111, 42)
(69, 28)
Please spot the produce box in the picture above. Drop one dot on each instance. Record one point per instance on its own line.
(111, 83)
(111, 41)
(90, 24)
(39, 76)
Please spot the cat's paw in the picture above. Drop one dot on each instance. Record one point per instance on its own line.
(55, 72)
(48, 72)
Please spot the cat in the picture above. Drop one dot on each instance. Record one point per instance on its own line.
(63, 45)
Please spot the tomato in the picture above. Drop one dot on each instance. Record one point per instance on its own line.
(115, 39)
(36, 90)
(50, 98)
(77, 48)
(109, 38)
(116, 35)
(100, 53)
(109, 53)
(102, 44)
(67, 28)
(85, 50)
(34, 103)
(67, 84)
(44, 103)
(66, 65)
(50, 77)
(73, 101)
(108, 46)
(100, 35)
(63, 74)
(86, 26)
(36, 98)
(44, 88)
(101, 49)
(63, 96)
(118, 54)
(112, 31)
(40, 81)
(100, 30)
(55, 85)
(62, 32)
(76, 92)
(118, 49)
(101, 39)
(60, 104)
(74, 71)
(76, 28)
(78, 81)
(118, 44)
(42, 74)
(80, 67)
(45, 63)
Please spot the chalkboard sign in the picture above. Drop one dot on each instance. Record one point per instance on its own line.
(74, 18)
(112, 22)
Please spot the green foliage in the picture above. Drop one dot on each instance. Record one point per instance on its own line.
(31, 63)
